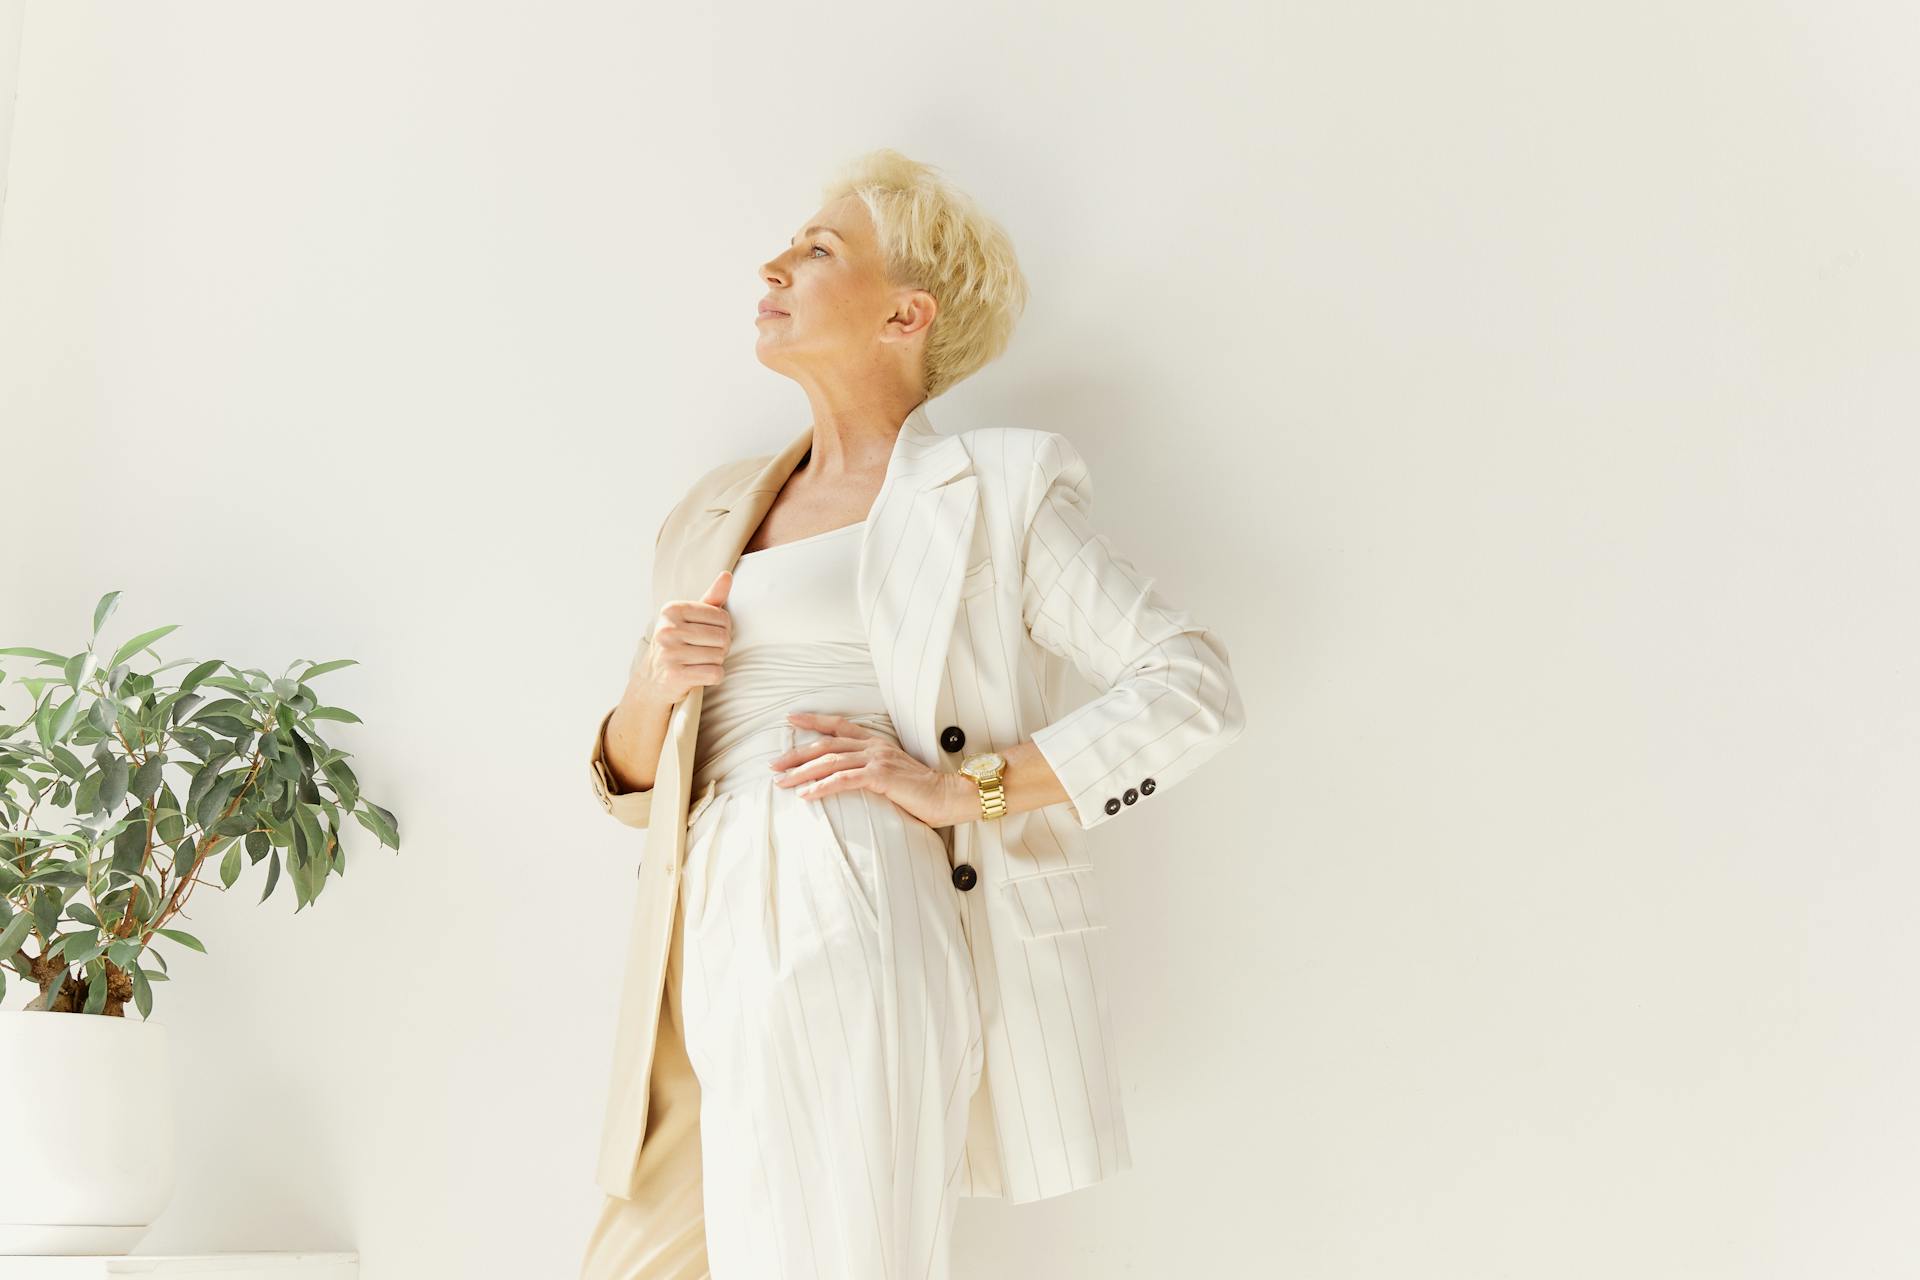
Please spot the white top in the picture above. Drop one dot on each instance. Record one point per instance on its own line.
(797, 591)
(798, 645)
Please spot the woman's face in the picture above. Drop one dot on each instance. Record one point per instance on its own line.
(832, 302)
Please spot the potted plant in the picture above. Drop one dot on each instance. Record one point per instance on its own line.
(119, 793)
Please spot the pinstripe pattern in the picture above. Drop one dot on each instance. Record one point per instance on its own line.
(1172, 701)
(984, 588)
(831, 1019)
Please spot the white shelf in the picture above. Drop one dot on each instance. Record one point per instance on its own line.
(208, 1266)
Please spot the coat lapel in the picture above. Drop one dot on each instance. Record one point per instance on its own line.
(913, 555)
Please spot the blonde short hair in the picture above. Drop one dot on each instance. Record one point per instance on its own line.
(934, 237)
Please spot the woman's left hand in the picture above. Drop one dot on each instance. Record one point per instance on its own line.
(853, 756)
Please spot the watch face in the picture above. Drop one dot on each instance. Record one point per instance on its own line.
(984, 765)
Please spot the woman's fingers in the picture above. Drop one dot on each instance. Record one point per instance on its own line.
(811, 753)
(828, 723)
(839, 780)
(708, 626)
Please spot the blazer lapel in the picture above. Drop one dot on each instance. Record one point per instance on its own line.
(912, 557)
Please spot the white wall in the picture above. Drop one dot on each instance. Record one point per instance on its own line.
(12, 13)
(1526, 392)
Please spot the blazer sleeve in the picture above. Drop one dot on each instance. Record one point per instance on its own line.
(635, 808)
(1171, 702)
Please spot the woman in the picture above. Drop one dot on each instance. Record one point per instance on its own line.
(865, 970)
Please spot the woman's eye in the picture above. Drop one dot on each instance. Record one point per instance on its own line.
(821, 247)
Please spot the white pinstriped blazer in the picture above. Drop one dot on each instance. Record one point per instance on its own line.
(981, 582)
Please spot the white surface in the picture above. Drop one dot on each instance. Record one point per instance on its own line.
(12, 12)
(1526, 390)
(228, 1266)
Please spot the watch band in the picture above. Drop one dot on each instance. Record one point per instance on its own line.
(993, 799)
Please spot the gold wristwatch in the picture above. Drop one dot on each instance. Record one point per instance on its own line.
(985, 770)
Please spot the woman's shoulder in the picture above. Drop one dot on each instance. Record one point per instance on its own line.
(1023, 459)
(706, 490)
(1013, 451)
(723, 477)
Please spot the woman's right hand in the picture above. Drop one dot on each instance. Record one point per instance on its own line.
(689, 645)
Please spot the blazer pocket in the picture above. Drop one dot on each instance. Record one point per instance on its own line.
(978, 578)
(1061, 900)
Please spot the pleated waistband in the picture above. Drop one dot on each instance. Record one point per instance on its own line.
(742, 762)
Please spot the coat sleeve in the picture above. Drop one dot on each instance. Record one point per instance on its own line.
(1170, 702)
(635, 808)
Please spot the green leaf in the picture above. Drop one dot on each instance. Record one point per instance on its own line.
(67, 762)
(182, 937)
(87, 798)
(64, 718)
(240, 708)
(203, 779)
(104, 609)
(83, 913)
(170, 820)
(15, 933)
(78, 668)
(140, 642)
(26, 651)
(199, 673)
(320, 669)
(313, 838)
(230, 865)
(147, 905)
(129, 847)
(216, 798)
(392, 824)
(146, 779)
(273, 875)
(113, 784)
(96, 988)
(237, 823)
(142, 993)
(334, 713)
(345, 784)
(307, 873)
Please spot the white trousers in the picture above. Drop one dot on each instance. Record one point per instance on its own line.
(832, 1020)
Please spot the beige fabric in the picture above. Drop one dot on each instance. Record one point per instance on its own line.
(660, 1233)
(983, 587)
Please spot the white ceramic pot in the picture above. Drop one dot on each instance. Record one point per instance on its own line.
(87, 1144)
